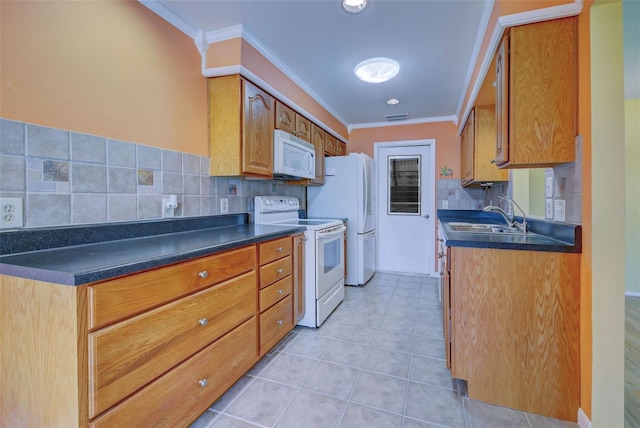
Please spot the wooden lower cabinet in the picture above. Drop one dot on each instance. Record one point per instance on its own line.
(155, 348)
(128, 355)
(180, 395)
(515, 328)
(278, 263)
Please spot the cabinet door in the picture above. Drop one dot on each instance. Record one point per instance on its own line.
(298, 278)
(257, 127)
(317, 139)
(445, 285)
(285, 118)
(303, 128)
(467, 142)
(330, 144)
(502, 102)
(484, 170)
(341, 149)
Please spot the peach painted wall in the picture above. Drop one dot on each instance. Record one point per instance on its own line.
(108, 68)
(224, 53)
(584, 129)
(445, 134)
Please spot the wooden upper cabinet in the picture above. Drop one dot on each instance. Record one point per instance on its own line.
(241, 125)
(466, 149)
(330, 145)
(318, 136)
(341, 149)
(478, 148)
(290, 121)
(536, 69)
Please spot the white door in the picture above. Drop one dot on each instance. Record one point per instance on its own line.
(406, 215)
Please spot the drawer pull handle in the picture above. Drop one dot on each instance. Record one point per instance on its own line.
(203, 321)
(203, 382)
(279, 249)
(280, 270)
(203, 274)
(280, 291)
(280, 322)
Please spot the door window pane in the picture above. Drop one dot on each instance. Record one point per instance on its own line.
(403, 185)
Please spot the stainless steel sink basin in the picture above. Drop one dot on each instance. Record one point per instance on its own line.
(484, 228)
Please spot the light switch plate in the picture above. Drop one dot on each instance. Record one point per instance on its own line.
(558, 210)
(549, 209)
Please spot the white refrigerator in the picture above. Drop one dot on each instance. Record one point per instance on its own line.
(348, 193)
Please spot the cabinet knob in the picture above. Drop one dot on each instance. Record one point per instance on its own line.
(203, 274)
(203, 321)
(203, 382)
(280, 291)
(493, 161)
(280, 270)
(280, 322)
(279, 249)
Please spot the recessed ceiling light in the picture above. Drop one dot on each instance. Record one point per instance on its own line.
(377, 70)
(392, 101)
(354, 6)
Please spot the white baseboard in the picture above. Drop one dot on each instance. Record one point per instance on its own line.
(583, 420)
(631, 294)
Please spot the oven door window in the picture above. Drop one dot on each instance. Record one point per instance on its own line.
(330, 259)
(332, 252)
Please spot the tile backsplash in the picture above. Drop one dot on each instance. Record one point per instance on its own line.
(69, 178)
(451, 195)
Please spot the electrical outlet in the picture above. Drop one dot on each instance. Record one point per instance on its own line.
(224, 206)
(11, 213)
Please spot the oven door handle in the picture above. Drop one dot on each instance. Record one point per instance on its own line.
(331, 232)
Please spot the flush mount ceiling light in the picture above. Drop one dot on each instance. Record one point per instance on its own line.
(377, 70)
(354, 6)
(393, 101)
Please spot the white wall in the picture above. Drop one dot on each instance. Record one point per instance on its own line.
(608, 239)
(632, 195)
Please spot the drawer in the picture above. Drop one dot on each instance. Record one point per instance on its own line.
(121, 298)
(126, 356)
(274, 250)
(274, 271)
(180, 396)
(275, 323)
(274, 292)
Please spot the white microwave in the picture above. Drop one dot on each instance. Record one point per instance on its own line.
(293, 158)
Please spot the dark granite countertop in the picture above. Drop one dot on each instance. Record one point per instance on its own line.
(149, 245)
(545, 235)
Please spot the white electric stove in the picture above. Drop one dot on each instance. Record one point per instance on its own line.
(324, 254)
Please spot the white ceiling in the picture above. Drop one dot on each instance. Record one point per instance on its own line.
(433, 40)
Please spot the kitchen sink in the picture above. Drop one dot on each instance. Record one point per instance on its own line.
(484, 228)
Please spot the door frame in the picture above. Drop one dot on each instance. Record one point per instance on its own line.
(430, 143)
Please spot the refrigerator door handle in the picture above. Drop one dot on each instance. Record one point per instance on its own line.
(365, 194)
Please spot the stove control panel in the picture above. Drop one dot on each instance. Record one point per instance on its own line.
(276, 203)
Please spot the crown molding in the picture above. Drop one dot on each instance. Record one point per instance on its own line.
(451, 118)
(170, 17)
(244, 33)
(503, 22)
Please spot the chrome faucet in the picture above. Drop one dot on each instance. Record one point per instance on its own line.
(493, 208)
(509, 219)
